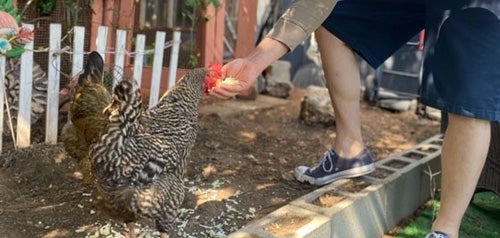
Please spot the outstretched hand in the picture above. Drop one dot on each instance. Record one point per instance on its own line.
(247, 69)
(245, 72)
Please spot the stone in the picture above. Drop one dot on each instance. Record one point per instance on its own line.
(307, 75)
(316, 107)
(277, 79)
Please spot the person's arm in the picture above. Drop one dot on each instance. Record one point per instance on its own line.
(268, 51)
(293, 27)
(246, 69)
(300, 20)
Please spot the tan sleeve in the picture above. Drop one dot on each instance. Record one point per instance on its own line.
(300, 20)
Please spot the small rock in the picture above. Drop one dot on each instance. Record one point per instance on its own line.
(287, 176)
(212, 144)
(209, 170)
(307, 75)
(316, 107)
(395, 104)
(278, 80)
(283, 161)
(253, 159)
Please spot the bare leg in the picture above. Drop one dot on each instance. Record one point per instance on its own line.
(465, 148)
(343, 82)
(131, 229)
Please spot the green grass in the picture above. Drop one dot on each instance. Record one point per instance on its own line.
(481, 220)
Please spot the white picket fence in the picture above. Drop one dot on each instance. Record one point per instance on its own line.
(55, 50)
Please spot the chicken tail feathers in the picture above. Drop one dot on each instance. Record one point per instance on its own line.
(126, 105)
(94, 69)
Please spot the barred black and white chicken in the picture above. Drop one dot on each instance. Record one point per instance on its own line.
(39, 91)
(139, 160)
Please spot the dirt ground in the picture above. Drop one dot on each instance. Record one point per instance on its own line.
(239, 170)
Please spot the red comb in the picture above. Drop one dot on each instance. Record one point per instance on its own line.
(213, 75)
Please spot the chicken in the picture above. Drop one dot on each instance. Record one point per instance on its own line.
(85, 118)
(39, 92)
(16, 37)
(139, 160)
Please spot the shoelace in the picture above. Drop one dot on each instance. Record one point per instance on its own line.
(327, 157)
(436, 235)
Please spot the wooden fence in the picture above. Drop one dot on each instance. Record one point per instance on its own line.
(55, 50)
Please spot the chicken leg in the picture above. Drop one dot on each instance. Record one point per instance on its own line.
(131, 229)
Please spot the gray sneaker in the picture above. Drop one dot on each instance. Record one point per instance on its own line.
(436, 234)
(333, 167)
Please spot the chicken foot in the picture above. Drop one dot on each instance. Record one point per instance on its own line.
(163, 235)
(131, 230)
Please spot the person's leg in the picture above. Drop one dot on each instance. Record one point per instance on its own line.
(343, 83)
(356, 26)
(464, 151)
(462, 78)
(347, 157)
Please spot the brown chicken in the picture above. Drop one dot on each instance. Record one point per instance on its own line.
(139, 160)
(85, 118)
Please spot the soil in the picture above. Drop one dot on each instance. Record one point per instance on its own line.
(239, 170)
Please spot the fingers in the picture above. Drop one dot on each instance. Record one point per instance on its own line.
(222, 93)
(238, 69)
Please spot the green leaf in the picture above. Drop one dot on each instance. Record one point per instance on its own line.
(193, 3)
(193, 61)
(15, 52)
(46, 7)
(216, 3)
(6, 6)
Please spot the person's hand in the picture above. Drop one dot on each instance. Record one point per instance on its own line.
(245, 72)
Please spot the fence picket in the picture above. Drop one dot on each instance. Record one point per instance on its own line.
(53, 85)
(78, 43)
(140, 42)
(2, 96)
(23, 134)
(172, 70)
(157, 68)
(121, 39)
(102, 39)
(25, 91)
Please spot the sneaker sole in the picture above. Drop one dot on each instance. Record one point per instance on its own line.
(351, 173)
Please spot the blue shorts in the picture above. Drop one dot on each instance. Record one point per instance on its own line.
(461, 73)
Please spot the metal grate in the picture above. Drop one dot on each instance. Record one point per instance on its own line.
(68, 13)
